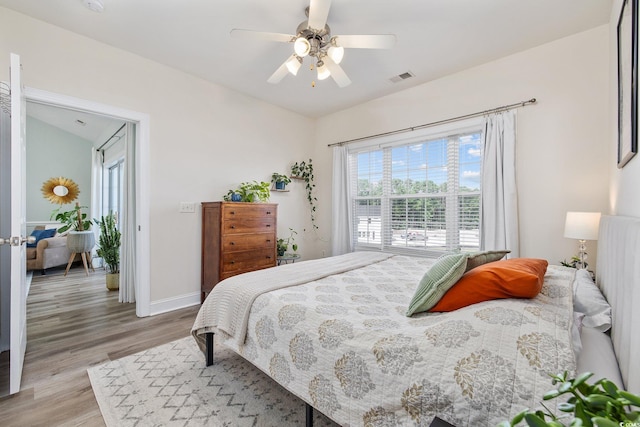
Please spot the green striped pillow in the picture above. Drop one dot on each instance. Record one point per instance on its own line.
(476, 259)
(437, 281)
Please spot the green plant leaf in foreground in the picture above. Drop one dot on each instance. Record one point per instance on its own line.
(602, 404)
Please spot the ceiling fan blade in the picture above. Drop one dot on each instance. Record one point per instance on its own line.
(279, 74)
(371, 41)
(237, 33)
(337, 73)
(318, 13)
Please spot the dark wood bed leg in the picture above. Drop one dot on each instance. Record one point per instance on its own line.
(309, 414)
(209, 341)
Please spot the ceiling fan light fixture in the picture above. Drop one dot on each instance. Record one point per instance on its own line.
(313, 38)
(294, 64)
(323, 71)
(302, 47)
(336, 53)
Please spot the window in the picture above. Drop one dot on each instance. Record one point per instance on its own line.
(422, 195)
(114, 188)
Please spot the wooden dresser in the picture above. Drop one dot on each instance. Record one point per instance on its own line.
(236, 238)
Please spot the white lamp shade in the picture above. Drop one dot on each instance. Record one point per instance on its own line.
(323, 72)
(301, 46)
(294, 64)
(582, 225)
(336, 53)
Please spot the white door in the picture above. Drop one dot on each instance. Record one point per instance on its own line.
(18, 322)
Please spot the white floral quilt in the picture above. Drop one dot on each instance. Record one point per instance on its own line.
(344, 344)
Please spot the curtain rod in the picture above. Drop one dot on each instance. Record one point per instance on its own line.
(439, 122)
(111, 137)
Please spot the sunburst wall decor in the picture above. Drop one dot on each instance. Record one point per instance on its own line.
(60, 190)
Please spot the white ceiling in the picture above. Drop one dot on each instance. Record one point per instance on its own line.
(93, 127)
(435, 38)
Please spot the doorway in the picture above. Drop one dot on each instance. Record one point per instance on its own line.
(141, 121)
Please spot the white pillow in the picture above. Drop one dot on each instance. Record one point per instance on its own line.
(576, 330)
(589, 300)
(597, 356)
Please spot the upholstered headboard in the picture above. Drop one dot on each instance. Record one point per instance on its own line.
(618, 276)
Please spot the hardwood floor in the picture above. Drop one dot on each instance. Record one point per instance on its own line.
(73, 323)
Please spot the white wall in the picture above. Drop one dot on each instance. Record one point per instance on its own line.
(205, 139)
(562, 140)
(625, 182)
(52, 152)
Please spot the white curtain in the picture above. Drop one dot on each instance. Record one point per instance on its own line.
(341, 230)
(128, 221)
(96, 188)
(499, 205)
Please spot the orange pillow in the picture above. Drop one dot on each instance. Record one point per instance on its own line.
(512, 278)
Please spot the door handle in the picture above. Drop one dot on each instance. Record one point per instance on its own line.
(17, 241)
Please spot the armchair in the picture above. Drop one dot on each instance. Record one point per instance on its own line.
(49, 252)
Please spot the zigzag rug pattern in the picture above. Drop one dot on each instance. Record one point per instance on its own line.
(170, 385)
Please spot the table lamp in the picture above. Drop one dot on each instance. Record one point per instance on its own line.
(582, 226)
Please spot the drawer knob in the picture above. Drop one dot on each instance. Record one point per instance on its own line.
(268, 256)
(233, 226)
(232, 262)
(232, 212)
(268, 225)
(233, 243)
(268, 240)
(268, 212)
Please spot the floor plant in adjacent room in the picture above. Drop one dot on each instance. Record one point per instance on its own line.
(109, 249)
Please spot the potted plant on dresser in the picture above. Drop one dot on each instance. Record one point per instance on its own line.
(109, 249)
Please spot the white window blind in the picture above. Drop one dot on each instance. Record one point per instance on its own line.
(422, 196)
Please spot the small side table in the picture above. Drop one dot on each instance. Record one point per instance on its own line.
(284, 259)
(86, 261)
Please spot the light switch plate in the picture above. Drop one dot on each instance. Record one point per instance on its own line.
(187, 207)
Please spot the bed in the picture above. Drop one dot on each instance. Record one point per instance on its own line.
(618, 277)
(334, 332)
(337, 336)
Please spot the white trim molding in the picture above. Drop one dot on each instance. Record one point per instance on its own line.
(142, 121)
(175, 303)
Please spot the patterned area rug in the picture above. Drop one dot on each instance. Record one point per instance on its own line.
(170, 385)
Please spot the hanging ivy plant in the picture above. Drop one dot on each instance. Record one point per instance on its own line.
(304, 171)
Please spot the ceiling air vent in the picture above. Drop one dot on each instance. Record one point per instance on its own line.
(400, 77)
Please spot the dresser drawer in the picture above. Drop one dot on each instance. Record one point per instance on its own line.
(251, 241)
(248, 211)
(248, 260)
(251, 225)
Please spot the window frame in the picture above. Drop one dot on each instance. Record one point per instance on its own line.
(385, 144)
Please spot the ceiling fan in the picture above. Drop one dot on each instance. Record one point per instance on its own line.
(313, 39)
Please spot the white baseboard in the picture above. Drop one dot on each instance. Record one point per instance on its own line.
(175, 303)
